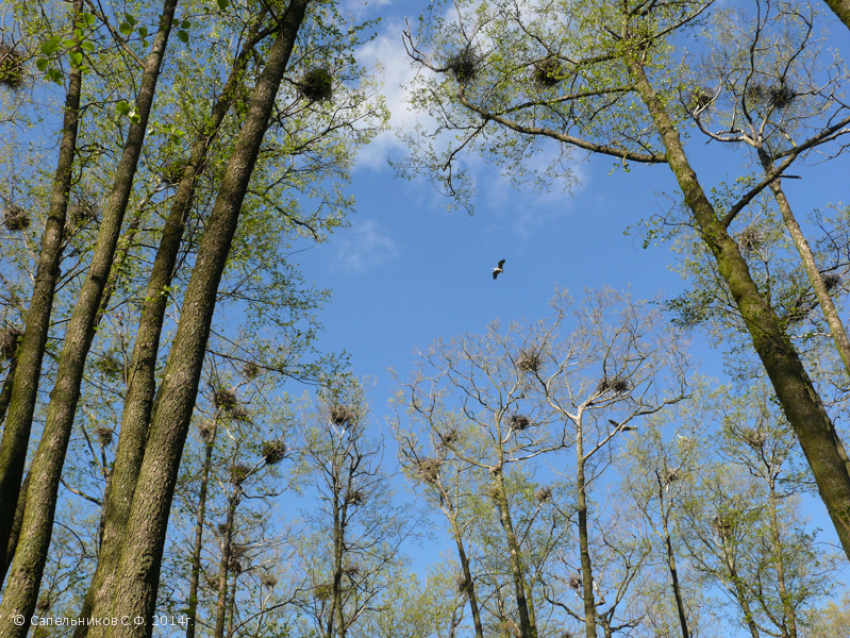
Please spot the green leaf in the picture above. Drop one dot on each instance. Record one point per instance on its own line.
(125, 28)
(76, 58)
(55, 75)
(143, 31)
(184, 37)
(185, 24)
(50, 46)
(41, 64)
(87, 46)
(135, 118)
(130, 19)
(223, 4)
(122, 107)
(89, 18)
(70, 44)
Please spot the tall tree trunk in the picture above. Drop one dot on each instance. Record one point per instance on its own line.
(225, 564)
(671, 563)
(794, 389)
(583, 539)
(790, 614)
(141, 554)
(195, 579)
(17, 523)
(526, 627)
(6, 394)
(841, 9)
(467, 572)
(16, 434)
(142, 382)
(22, 590)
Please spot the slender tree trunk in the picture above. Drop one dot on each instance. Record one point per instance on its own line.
(740, 592)
(195, 579)
(142, 382)
(671, 564)
(467, 572)
(527, 628)
(794, 388)
(790, 628)
(17, 523)
(841, 9)
(141, 554)
(583, 540)
(16, 434)
(6, 395)
(22, 590)
(224, 565)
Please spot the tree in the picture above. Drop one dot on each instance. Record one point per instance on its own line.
(482, 407)
(595, 76)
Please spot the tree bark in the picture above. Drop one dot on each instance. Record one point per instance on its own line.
(141, 554)
(224, 565)
(467, 573)
(17, 523)
(671, 563)
(30, 353)
(583, 539)
(194, 581)
(22, 590)
(794, 389)
(142, 383)
(841, 9)
(6, 396)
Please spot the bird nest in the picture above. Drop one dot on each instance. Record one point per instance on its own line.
(461, 582)
(351, 570)
(340, 414)
(356, 497)
(274, 451)
(449, 437)
(751, 238)
(15, 218)
(207, 430)
(240, 412)
(700, 98)
(224, 399)
(43, 604)
(780, 96)
(548, 73)
(317, 85)
(81, 214)
(529, 361)
(464, 65)
(574, 582)
(10, 337)
(428, 469)
(543, 495)
(755, 439)
(831, 280)
(520, 422)
(234, 566)
(268, 580)
(173, 171)
(251, 370)
(238, 473)
(11, 68)
(755, 93)
(323, 591)
(723, 526)
(671, 475)
(617, 385)
(105, 436)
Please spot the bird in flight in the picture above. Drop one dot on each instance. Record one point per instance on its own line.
(498, 269)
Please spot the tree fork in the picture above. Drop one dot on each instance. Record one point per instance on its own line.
(795, 390)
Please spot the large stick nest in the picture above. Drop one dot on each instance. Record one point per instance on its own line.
(10, 337)
(15, 218)
(317, 85)
(11, 68)
(274, 451)
(464, 65)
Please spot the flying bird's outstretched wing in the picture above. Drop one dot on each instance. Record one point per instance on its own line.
(496, 273)
(501, 264)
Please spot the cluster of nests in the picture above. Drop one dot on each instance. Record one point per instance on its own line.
(465, 64)
(11, 68)
(615, 384)
(226, 401)
(778, 96)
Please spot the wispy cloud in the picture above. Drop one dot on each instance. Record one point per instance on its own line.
(364, 246)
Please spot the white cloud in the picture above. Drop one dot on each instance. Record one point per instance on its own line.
(364, 246)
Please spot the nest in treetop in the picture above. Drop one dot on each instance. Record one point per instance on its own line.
(543, 495)
(340, 414)
(429, 469)
(222, 529)
(251, 370)
(105, 436)
(81, 214)
(317, 85)
(274, 451)
(356, 497)
(671, 475)
(462, 583)
(238, 550)
(173, 171)
(751, 238)
(548, 72)
(351, 570)
(722, 526)
(224, 399)
(780, 96)
(574, 582)
(450, 437)
(464, 65)
(493, 491)
(755, 439)
(206, 428)
(238, 473)
(212, 582)
(700, 98)
(617, 385)
(268, 580)
(241, 413)
(529, 362)
(323, 591)
(10, 337)
(520, 422)
(15, 218)
(755, 93)
(831, 280)
(11, 68)
(43, 604)
(235, 566)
